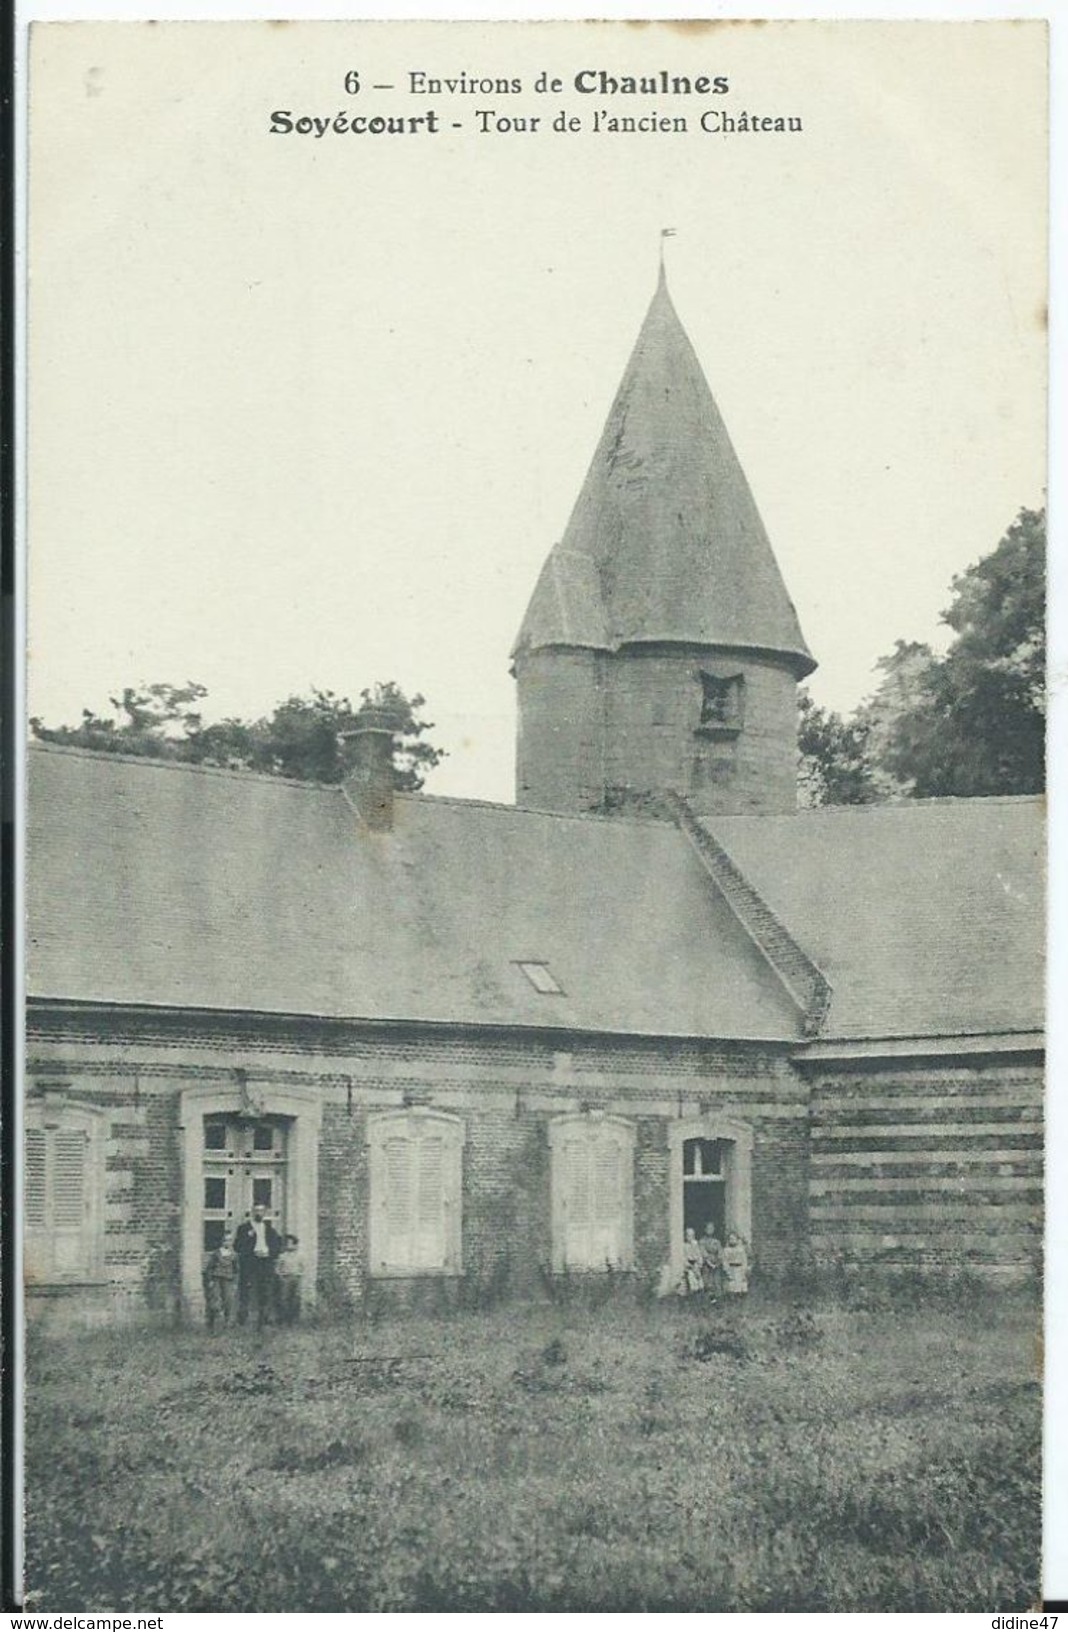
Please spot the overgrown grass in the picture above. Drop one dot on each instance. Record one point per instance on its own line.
(554, 1458)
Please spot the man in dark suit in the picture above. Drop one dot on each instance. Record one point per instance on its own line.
(257, 1244)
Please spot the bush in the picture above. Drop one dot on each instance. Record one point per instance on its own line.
(800, 1331)
(722, 1335)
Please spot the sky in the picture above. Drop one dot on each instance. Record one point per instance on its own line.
(312, 411)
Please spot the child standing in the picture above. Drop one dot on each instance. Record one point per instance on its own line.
(691, 1265)
(219, 1276)
(711, 1262)
(289, 1271)
(736, 1264)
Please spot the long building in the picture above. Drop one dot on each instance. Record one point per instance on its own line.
(463, 1047)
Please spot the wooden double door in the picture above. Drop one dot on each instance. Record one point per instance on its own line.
(244, 1167)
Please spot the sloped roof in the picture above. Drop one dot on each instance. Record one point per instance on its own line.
(180, 886)
(665, 542)
(926, 917)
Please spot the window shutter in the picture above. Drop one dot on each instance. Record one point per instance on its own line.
(63, 1193)
(429, 1218)
(399, 1203)
(68, 1200)
(606, 1243)
(578, 1203)
(35, 1188)
(452, 1205)
(416, 1186)
(592, 1192)
(68, 1179)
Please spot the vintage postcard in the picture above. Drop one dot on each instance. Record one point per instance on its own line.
(535, 863)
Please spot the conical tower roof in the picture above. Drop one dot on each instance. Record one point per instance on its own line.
(665, 542)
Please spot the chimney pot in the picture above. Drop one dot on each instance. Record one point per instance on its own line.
(369, 783)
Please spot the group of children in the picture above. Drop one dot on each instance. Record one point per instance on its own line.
(258, 1267)
(237, 1278)
(712, 1266)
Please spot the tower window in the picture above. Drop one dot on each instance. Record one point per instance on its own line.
(721, 704)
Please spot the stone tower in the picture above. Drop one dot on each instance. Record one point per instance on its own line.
(660, 650)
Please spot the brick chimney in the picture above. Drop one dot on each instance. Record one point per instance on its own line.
(369, 783)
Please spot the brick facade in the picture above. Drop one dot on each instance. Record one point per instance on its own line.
(505, 1090)
(931, 1166)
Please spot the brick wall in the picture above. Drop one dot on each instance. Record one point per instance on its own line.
(141, 1184)
(930, 1166)
(506, 1091)
(507, 1107)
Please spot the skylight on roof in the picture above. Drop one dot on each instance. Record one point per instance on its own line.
(542, 978)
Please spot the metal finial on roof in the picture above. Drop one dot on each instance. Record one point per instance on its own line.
(665, 232)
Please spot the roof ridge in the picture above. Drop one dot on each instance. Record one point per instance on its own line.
(800, 974)
(606, 819)
(239, 773)
(880, 805)
(600, 817)
(962, 799)
(418, 797)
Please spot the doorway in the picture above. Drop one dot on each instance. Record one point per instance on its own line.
(704, 1186)
(244, 1167)
(710, 1179)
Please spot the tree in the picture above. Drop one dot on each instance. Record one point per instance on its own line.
(302, 738)
(977, 723)
(834, 765)
(151, 720)
(901, 688)
(969, 723)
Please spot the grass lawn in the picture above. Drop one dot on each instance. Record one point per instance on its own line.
(549, 1458)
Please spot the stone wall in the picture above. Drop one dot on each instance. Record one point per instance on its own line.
(597, 729)
(560, 731)
(654, 741)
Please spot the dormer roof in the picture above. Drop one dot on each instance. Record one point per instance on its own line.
(665, 543)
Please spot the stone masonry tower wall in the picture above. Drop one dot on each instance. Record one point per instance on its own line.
(560, 744)
(660, 651)
(597, 731)
(656, 740)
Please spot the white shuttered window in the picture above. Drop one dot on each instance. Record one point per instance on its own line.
(592, 1192)
(416, 1160)
(62, 1189)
